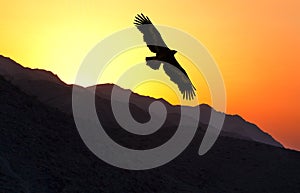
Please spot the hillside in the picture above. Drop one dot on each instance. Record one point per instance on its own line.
(41, 151)
(50, 90)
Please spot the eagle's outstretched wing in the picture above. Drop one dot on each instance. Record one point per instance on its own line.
(151, 36)
(172, 68)
(179, 76)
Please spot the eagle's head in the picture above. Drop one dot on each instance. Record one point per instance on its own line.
(173, 52)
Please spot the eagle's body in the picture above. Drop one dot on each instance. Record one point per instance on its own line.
(164, 56)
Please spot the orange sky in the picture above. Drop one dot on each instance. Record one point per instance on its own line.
(255, 43)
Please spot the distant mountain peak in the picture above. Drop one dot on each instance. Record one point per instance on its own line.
(14, 71)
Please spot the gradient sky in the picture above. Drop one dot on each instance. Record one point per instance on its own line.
(255, 43)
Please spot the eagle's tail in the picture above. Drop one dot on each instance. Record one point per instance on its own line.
(153, 63)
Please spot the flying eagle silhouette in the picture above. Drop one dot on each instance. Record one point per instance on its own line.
(164, 56)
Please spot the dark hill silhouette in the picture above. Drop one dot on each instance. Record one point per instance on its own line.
(50, 90)
(41, 152)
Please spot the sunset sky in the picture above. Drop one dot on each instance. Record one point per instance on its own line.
(256, 45)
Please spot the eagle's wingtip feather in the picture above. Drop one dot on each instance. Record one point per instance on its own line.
(142, 19)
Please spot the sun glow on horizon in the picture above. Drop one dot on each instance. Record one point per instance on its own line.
(255, 43)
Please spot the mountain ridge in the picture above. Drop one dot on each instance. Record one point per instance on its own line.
(51, 90)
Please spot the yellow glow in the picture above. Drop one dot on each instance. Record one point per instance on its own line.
(255, 43)
(129, 68)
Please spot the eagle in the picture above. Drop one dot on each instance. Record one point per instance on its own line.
(164, 56)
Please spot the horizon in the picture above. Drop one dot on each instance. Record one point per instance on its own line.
(141, 95)
(254, 44)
